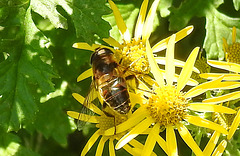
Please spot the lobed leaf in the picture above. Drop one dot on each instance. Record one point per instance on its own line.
(10, 144)
(218, 25)
(24, 70)
(52, 122)
(87, 18)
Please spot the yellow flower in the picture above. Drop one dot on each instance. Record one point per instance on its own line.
(233, 78)
(232, 65)
(232, 51)
(168, 107)
(103, 123)
(131, 52)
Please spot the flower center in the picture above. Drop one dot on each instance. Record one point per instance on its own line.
(233, 53)
(168, 106)
(134, 57)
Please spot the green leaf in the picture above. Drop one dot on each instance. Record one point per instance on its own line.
(10, 144)
(53, 122)
(25, 71)
(164, 6)
(218, 26)
(87, 18)
(236, 4)
(188, 9)
(233, 147)
(48, 9)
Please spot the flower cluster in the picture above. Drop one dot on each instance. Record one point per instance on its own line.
(163, 101)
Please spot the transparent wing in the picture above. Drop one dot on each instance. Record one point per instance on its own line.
(89, 107)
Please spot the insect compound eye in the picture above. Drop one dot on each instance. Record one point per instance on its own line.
(103, 51)
(100, 52)
(107, 51)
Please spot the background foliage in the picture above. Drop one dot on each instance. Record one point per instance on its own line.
(39, 67)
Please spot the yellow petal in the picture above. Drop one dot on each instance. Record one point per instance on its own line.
(154, 67)
(90, 143)
(220, 148)
(111, 147)
(179, 35)
(85, 46)
(138, 147)
(234, 67)
(89, 105)
(170, 68)
(227, 76)
(196, 120)
(187, 137)
(171, 141)
(187, 69)
(140, 20)
(234, 126)
(190, 82)
(151, 140)
(177, 63)
(139, 151)
(162, 143)
(148, 26)
(135, 118)
(142, 126)
(224, 98)
(78, 97)
(131, 150)
(214, 84)
(211, 143)
(111, 41)
(225, 45)
(205, 107)
(234, 32)
(83, 117)
(147, 80)
(136, 144)
(101, 145)
(86, 74)
(120, 22)
(135, 98)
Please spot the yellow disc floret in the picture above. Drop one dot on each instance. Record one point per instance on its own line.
(133, 56)
(233, 53)
(168, 106)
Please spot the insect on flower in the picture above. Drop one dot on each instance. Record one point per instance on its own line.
(109, 83)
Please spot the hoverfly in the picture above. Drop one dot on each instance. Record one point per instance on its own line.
(109, 82)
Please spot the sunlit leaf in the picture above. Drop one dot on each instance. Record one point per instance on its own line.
(87, 18)
(24, 71)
